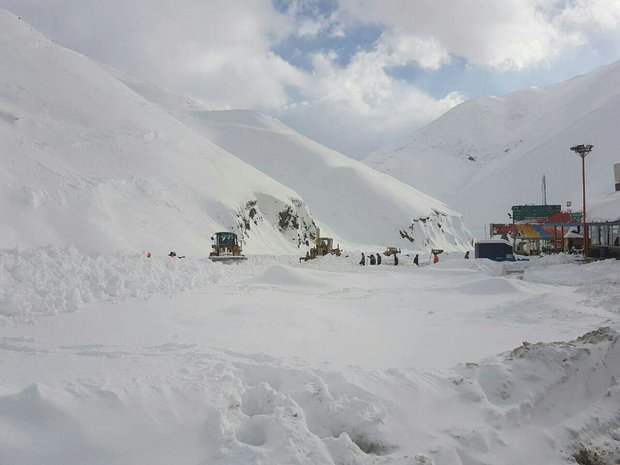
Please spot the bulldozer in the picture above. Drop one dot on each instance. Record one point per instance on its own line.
(391, 251)
(226, 248)
(322, 246)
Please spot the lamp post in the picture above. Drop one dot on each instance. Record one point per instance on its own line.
(583, 151)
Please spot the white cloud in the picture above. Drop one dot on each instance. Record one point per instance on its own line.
(359, 108)
(505, 34)
(400, 49)
(591, 15)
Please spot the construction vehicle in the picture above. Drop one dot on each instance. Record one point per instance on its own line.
(322, 246)
(226, 248)
(391, 251)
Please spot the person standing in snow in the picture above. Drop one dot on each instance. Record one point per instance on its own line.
(467, 255)
(372, 259)
(416, 260)
(363, 260)
(435, 258)
(395, 259)
(378, 259)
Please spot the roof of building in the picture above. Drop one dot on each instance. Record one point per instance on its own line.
(605, 209)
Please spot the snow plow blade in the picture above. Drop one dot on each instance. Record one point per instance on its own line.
(227, 258)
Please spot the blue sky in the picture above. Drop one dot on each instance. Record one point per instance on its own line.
(355, 75)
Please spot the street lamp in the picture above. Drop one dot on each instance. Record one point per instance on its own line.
(582, 151)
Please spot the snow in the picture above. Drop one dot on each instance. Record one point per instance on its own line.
(606, 208)
(107, 163)
(89, 162)
(187, 361)
(109, 356)
(354, 204)
(490, 153)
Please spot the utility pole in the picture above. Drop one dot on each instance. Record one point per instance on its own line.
(583, 150)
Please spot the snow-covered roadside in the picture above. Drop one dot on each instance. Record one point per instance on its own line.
(49, 280)
(540, 403)
(327, 362)
(599, 280)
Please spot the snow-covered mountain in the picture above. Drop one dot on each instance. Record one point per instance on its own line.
(88, 161)
(490, 153)
(352, 202)
(104, 161)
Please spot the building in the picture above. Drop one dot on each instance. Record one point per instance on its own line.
(547, 229)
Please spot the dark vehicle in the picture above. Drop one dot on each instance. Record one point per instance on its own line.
(497, 250)
(226, 248)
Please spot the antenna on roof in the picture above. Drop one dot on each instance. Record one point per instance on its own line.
(544, 190)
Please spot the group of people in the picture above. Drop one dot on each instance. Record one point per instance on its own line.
(373, 259)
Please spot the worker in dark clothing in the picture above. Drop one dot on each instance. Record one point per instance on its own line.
(467, 255)
(372, 259)
(395, 259)
(378, 259)
(363, 260)
(416, 260)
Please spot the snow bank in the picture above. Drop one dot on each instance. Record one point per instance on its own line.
(563, 270)
(50, 279)
(236, 411)
(564, 393)
(539, 403)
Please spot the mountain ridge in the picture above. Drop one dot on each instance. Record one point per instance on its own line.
(481, 145)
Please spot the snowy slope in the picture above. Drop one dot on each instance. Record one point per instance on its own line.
(355, 204)
(88, 161)
(490, 153)
(104, 161)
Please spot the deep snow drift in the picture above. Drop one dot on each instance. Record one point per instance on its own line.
(490, 153)
(89, 161)
(324, 362)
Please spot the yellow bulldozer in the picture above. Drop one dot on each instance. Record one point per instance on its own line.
(322, 246)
